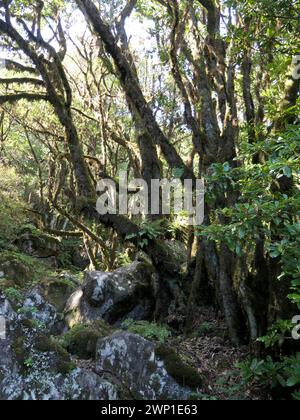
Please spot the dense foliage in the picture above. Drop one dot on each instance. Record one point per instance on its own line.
(179, 89)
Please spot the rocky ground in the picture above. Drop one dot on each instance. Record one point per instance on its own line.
(69, 338)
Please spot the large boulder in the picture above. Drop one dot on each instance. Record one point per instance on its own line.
(145, 370)
(38, 244)
(128, 292)
(57, 290)
(37, 365)
(15, 269)
(33, 366)
(36, 308)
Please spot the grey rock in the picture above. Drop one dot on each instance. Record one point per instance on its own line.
(39, 245)
(57, 291)
(37, 308)
(38, 378)
(133, 362)
(125, 293)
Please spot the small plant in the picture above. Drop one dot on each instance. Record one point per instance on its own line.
(148, 232)
(148, 330)
(277, 334)
(123, 259)
(231, 385)
(29, 363)
(28, 311)
(13, 295)
(272, 374)
(179, 228)
(204, 329)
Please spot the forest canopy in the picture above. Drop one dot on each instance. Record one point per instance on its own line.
(162, 89)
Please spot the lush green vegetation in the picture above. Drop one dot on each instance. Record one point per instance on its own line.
(205, 89)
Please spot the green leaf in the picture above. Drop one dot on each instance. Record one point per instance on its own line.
(287, 171)
(130, 236)
(226, 167)
(293, 380)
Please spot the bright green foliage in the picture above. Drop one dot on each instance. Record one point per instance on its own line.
(284, 373)
(13, 295)
(277, 334)
(148, 330)
(11, 206)
(262, 210)
(148, 232)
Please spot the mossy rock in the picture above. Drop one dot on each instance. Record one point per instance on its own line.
(57, 292)
(45, 344)
(82, 339)
(15, 269)
(14, 296)
(30, 324)
(21, 353)
(6, 284)
(39, 244)
(22, 270)
(184, 374)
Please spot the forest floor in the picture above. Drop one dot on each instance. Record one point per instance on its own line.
(210, 352)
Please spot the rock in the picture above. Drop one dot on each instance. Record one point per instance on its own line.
(79, 258)
(36, 307)
(57, 291)
(135, 363)
(82, 340)
(93, 387)
(14, 270)
(35, 367)
(128, 292)
(72, 310)
(38, 244)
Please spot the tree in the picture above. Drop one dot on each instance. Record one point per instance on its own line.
(222, 72)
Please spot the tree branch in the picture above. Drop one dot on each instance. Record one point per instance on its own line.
(31, 97)
(128, 9)
(15, 66)
(22, 80)
(132, 87)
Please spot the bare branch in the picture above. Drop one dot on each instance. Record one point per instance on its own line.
(128, 9)
(83, 114)
(22, 80)
(18, 67)
(132, 87)
(31, 97)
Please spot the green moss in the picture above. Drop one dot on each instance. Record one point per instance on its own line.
(45, 344)
(185, 375)
(13, 295)
(21, 353)
(30, 324)
(57, 292)
(65, 368)
(82, 339)
(22, 270)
